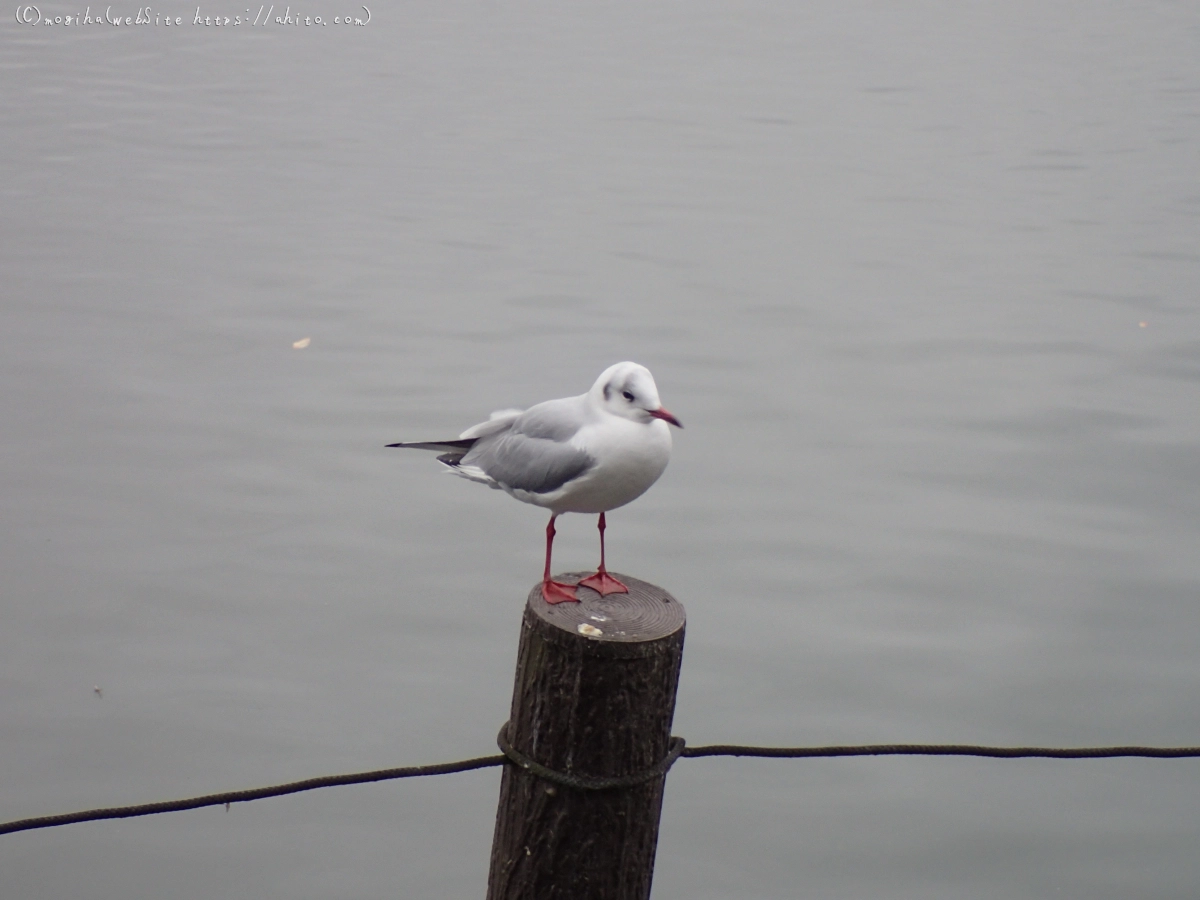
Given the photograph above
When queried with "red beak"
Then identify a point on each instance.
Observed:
(661, 413)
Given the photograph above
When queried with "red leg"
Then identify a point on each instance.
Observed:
(555, 591)
(603, 583)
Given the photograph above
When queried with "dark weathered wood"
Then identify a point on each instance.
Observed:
(591, 704)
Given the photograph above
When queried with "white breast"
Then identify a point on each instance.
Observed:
(630, 456)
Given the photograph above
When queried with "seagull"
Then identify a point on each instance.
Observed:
(585, 454)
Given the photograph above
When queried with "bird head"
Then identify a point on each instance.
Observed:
(628, 390)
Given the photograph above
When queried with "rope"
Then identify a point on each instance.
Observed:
(677, 749)
(295, 787)
(944, 750)
(589, 782)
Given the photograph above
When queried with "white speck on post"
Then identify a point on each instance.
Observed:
(589, 630)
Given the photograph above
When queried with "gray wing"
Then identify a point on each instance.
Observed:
(554, 420)
(534, 454)
(500, 420)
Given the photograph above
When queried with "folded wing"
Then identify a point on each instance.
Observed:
(522, 463)
(519, 451)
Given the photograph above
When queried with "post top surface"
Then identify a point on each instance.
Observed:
(646, 613)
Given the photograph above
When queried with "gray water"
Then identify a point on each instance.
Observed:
(920, 279)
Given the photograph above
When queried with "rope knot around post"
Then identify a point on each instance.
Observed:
(585, 782)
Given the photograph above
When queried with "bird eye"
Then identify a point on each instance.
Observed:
(628, 395)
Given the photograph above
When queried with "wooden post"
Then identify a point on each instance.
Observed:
(594, 697)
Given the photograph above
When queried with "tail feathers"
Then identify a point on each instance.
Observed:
(453, 449)
(452, 458)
